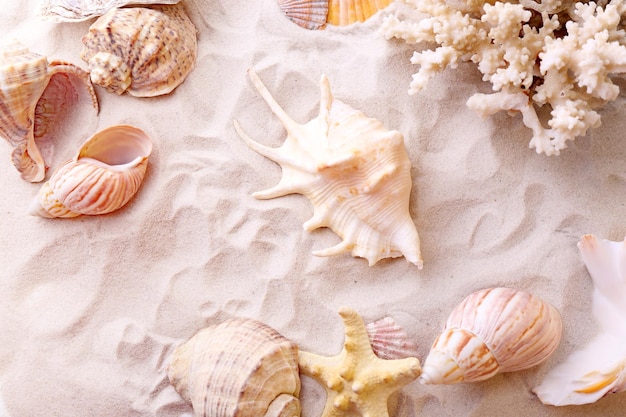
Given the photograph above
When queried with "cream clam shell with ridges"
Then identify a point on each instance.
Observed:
(238, 368)
(492, 331)
(355, 172)
(105, 174)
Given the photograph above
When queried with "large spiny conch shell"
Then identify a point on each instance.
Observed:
(239, 368)
(79, 10)
(355, 172)
(145, 52)
(493, 330)
(34, 96)
(600, 367)
(315, 14)
(105, 174)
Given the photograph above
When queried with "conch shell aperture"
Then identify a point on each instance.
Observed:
(492, 331)
(105, 174)
(34, 96)
(355, 172)
(238, 368)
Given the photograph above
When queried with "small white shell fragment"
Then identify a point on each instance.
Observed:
(599, 368)
(355, 172)
(238, 368)
(80, 10)
(491, 331)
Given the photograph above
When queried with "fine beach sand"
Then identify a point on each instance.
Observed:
(92, 307)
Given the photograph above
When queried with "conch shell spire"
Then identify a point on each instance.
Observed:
(355, 172)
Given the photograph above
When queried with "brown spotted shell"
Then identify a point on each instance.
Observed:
(238, 368)
(143, 51)
(35, 95)
(491, 331)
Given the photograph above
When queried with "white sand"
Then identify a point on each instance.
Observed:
(92, 307)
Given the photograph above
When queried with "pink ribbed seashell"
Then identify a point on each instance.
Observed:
(315, 14)
(104, 175)
(389, 340)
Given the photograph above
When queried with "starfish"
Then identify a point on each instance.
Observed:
(356, 379)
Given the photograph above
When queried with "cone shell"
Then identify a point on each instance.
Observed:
(33, 98)
(79, 10)
(239, 368)
(144, 51)
(315, 14)
(105, 174)
(355, 172)
(493, 330)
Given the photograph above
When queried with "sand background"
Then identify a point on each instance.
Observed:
(92, 307)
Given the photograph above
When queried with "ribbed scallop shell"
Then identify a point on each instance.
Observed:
(79, 10)
(389, 340)
(355, 172)
(144, 51)
(105, 174)
(599, 368)
(34, 97)
(493, 330)
(314, 14)
(238, 368)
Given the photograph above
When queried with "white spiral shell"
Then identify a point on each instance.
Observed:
(355, 172)
(105, 174)
(238, 368)
(493, 330)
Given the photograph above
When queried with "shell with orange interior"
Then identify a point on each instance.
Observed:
(315, 14)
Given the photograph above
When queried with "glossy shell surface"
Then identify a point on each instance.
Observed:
(238, 368)
(599, 368)
(105, 174)
(145, 52)
(491, 331)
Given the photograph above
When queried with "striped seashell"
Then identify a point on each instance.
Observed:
(238, 368)
(492, 331)
(315, 14)
(34, 97)
(145, 52)
(389, 340)
(105, 174)
(80, 10)
(355, 172)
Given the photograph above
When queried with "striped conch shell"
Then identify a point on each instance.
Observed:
(79, 10)
(104, 175)
(492, 331)
(315, 14)
(238, 368)
(34, 97)
(146, 52)
(355, 172)
(599, 368)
